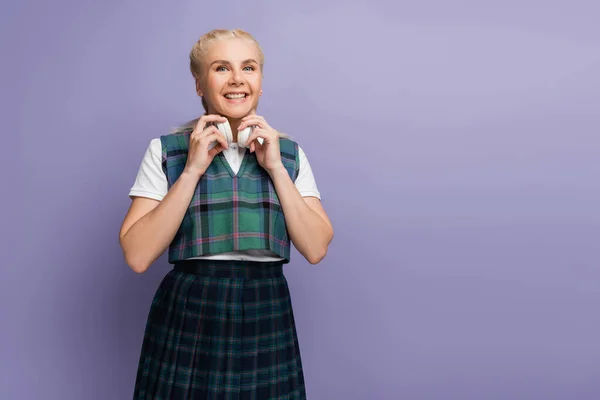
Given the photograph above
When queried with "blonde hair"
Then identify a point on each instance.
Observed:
(198, 55)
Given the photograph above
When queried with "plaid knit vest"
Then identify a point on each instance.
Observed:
(229, 212)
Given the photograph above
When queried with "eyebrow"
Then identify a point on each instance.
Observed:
(248, 61)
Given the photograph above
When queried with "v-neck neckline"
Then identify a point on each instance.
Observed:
(225, 163)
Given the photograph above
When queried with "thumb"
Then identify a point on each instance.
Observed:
(215, 150)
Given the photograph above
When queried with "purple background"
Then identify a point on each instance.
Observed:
(455, 144)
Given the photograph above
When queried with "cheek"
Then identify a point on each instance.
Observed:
(213, 86)
(256, 84)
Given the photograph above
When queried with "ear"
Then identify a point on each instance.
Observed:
(198, 88)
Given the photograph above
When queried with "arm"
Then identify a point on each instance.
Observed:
(150, 225)
(308, 225)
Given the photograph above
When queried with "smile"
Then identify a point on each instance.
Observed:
(235, 96)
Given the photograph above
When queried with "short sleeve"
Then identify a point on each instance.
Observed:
(151, 181)
(305, 182)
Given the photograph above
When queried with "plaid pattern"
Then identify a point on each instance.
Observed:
(229, 212)
(226, 332)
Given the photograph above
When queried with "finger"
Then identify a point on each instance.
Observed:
(210, 138)
(197, 135)
(216, 136)
(201, 126)
(267, 136)
(210, 130)
(261, 123)
(210, 135)
(215, 150)
(206, 118)
(259, 144)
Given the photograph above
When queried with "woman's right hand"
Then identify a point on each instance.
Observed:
(200, 155)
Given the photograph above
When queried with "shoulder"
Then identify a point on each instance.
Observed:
(150, 181)
(175, 135)
(154, 153)
(287, 144)
(291, 146)
(305, 181)
(289, 149)
(174, 142)
(155, 146)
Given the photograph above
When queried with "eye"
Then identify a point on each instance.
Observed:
(249, 68)
(221, 68)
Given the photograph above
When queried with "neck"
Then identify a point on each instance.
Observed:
(234, 123)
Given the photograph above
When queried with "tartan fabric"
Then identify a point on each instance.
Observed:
(221, 334)
(229, 212)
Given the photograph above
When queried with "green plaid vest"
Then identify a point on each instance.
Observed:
(229, 212)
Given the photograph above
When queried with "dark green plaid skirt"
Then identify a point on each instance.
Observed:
(223, 330)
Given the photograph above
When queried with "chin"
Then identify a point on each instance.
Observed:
(235, 114)
(237, 110)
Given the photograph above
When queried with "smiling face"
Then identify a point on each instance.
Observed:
(231, 82)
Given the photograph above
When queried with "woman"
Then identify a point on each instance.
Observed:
(221, 324)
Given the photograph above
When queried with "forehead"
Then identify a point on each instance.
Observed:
(232, 50)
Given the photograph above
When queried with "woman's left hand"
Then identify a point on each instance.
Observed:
(267, 153)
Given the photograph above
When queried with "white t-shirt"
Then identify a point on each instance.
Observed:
(151, 182)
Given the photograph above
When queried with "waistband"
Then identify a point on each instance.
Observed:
(230, 268)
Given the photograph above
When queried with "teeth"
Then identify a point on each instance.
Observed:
(235, 95)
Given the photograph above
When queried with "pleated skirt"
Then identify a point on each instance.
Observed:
(221, 330)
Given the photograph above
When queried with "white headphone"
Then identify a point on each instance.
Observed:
(242, 137)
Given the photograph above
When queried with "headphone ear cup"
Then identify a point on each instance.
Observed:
(243, 136)
(225, 129)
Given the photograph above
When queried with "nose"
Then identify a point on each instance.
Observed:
(236, 77)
